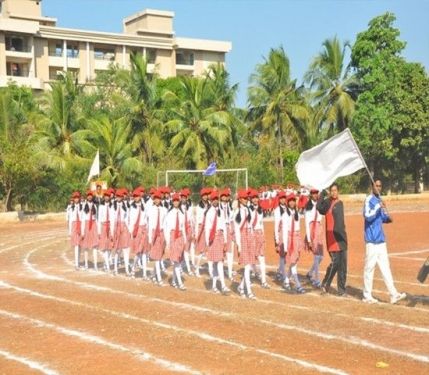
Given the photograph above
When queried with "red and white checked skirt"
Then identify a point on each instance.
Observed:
(258, 238)
(248, 249)
(144, 244)
(189, 236)
(75, 238)
(201, 241)
(215, 250)
(136, 241)
(292, 255)
(90, 239)
(317, 241)
(121, 238)
(229, 238)
(157, 250)
(105, 242)
(177, 246)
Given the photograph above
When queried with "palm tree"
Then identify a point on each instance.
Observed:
(334, 88)
(276, 105)
(198, 131)
(114, 141)
(61, 138)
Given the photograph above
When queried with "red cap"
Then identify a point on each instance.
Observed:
(253, 193)
(165, 190)
(314, 191)
(89, 192)
(175, 197)
(204, 191)
(137, 193)
(185, 192)
(76, 194)
(242, 193)
(141, 189)
(290, 197)
(110, 191)
(282, 194)
(152, 190)
(157, 194)
(225, 192)
(214, 194)
(107, 193)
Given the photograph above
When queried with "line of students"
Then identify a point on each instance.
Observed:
(161, 225)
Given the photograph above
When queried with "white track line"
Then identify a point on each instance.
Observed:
(87, 337)
(399, 253)
(28, 362)
(407, 258)
(42, 238)
(396, 325)
(201, 335)
(350, 339)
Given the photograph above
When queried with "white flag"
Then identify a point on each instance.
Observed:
(95, 167)
(338, 156)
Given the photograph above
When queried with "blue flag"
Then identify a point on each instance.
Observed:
(211, 170)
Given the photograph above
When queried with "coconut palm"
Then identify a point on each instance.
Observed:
(198, 132)
(334, 87)
(114, 141)
(276, 105)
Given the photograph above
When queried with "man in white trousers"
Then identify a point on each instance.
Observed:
(376, 215)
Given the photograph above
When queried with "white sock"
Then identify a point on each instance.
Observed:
(85, 255)
(116, 260)
(210, 264)
(230, 262)
(178, 274)
(247, 269)
(192, 253)
(187, 261)
(144, 264)
(95, 258)
(262, 267)
(198, 262)
(220, 273)
(126, 252)
(294, 272)
(76, 256)
(282, 262)
(106, 260)
(158, 270)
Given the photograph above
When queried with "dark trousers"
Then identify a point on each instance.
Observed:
(338, 265)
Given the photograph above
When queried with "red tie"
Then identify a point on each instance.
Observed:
(136, 224)
(90, 217)
(107, 220)
(78, 220)
(255, 220)
(292, 230)
(213, 230)
(157, 224)
(176, 230)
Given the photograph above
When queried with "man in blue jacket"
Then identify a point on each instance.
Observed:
(375, 215)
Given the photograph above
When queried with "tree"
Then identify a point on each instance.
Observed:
(276, 105)
(333, 87)
(197, 131)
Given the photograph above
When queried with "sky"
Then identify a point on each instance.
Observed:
(255, 26)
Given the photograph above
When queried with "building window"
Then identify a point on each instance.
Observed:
(150, 55)
(72, 50)
(184, 57)
(17, 43)
(15, 69)
(101, 53)
(55, 73)
(56, 49)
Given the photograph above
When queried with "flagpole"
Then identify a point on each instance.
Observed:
(360, 155)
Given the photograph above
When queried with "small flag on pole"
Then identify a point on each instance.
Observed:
(321, 165)
(211, 170)
(95, 167)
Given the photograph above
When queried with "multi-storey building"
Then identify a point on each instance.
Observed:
(33, 50)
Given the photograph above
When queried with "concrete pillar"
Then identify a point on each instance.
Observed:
(2, 54)
(124, 52)
(65, 55)
(32, 69)
(88, 64)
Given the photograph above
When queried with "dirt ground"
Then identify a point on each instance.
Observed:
(55, 320)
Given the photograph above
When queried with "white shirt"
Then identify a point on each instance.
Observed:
(75, 214)
(257, 219)
(105, 214)
(242, 224)
(152, 214)
(310, 216)
(133, 215)
(170, 221)
(212, 213)
(118, 215)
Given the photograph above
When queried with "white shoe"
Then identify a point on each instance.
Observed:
(370, 300)
(397, 298)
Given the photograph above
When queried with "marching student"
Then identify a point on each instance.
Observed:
(105, 229)
(375, 215)
(257, 235)
(336, 239)
(228, 216)
(144, 246)
(175, 239)
(187, 209)
(246, 250)
(215, 234)
(121, 235)
(314, 236)
(279, 217)
(292, 242)
(75, 226)
(200, 221)
(156, 241)
(136, 218)
(89, 229)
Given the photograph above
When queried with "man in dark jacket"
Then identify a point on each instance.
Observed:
(336, 238)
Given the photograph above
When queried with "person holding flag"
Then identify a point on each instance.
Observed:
(175, 239)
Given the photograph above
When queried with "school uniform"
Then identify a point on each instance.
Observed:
(292, 235)
(257, 233)
(314, 227)
(155, 227)
(200, 242)
(136, 218)
(215, 234)
(175, 233)
(75, 218)
(227, 216)
(104, 226)
(242, 229)
(121, 235)
(89, 226)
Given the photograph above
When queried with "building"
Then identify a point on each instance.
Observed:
(33, 50)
